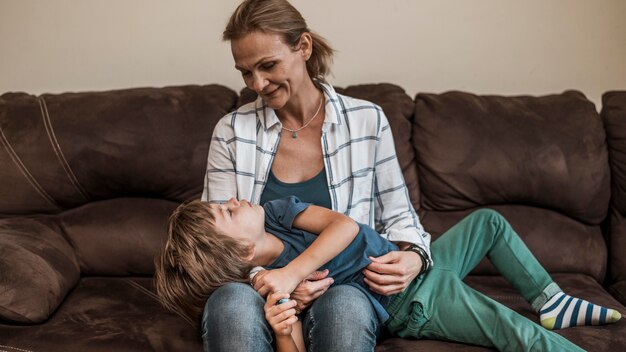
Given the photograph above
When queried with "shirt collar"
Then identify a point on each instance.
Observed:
(268, 117)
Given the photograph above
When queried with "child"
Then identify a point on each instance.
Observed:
(210, 245)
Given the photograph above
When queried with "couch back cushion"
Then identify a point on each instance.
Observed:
(119, 237)
(65, 150)
(519, 154)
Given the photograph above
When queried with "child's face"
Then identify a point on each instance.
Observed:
(240, 220)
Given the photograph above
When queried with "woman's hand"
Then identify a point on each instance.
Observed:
(276, 280)
(311, 289)
(281, 317)
(305, 293)
(393, 272)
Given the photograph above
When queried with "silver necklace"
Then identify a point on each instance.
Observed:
(294, 133)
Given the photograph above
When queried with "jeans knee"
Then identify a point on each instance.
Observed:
(234, 306)
(346, 303)
(343, 319)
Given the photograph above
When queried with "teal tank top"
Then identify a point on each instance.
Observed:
(314, 191)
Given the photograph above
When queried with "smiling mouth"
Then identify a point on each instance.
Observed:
(272, 93)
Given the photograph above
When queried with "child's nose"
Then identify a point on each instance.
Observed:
(233, 202)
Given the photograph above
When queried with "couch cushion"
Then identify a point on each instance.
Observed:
(64, 150)
(114, 314)
(118, 237)
(37, 270)
(106, 314)
(545, 151)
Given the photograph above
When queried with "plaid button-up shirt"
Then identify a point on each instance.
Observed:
(364, 178)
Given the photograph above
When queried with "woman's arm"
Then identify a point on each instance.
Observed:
(336, 231)
(220, 183)
(394, 215)
(396, 220)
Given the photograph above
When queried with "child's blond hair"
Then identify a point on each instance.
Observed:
(197, 259)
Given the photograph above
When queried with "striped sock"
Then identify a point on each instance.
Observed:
(564, 311)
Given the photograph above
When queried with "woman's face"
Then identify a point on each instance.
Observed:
(270, 67)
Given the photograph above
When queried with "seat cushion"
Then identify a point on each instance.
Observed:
(122, 314)
(106, 314)
(37, 270)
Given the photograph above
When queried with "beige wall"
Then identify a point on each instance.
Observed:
(481, 46)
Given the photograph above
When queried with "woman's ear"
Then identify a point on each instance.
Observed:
(306, 45)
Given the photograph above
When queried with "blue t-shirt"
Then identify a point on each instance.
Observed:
(314, 191)
(346, 267)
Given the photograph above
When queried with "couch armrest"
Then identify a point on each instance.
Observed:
(614, 118)
(38, 268)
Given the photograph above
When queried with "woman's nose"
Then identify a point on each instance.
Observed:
(259, 83)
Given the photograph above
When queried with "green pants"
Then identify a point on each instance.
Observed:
(440, 306)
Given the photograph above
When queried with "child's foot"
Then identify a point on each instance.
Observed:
(563, 311)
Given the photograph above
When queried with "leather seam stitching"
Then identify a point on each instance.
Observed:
(24, 170)
(14, 348)
(155, 297)
(143, 289)
(57, 149)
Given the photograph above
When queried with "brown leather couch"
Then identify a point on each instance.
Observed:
(88, 179)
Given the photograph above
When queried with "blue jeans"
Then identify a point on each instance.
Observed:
(342, 319)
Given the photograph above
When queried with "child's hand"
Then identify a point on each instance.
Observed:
(277, 280)
(281, 317)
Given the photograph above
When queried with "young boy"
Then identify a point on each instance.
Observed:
(210, 245)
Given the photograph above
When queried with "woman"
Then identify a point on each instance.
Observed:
(302, 138)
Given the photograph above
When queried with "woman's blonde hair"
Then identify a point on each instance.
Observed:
(197, 259)
(279, 16)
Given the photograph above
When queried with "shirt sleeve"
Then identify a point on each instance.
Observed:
(284, 210)
(220, 183)
(395, 217)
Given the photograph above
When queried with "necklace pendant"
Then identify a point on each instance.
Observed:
(294, 135)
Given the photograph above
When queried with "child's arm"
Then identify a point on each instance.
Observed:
(282, 318)
(336, 231)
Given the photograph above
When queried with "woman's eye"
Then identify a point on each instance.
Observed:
(245, 74)
(268, 66)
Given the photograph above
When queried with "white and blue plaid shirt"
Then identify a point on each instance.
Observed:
(364, 177)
